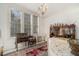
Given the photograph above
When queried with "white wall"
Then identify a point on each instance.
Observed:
(0, 28)
(41, 26)
(3, 23)
(70, 16)
(67, 17)
(8, 41)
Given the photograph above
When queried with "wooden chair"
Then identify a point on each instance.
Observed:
(21, 37)
(74, 47)
(31, 41)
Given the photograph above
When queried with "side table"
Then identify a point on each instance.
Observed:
(1, 51)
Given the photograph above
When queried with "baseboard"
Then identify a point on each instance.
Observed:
(5, 53)
(9, 51)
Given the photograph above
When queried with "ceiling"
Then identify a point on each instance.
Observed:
(53, 8)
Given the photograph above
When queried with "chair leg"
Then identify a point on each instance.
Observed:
(16, 46)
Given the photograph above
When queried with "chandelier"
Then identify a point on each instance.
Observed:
(43, 9)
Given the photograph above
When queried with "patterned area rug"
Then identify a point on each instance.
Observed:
(23, 53)
(39, 50)
(59, 47)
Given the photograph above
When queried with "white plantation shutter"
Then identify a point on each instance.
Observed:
(27, 23)
(15, 22)
(35, 24)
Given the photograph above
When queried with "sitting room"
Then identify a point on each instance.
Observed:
(39, 29)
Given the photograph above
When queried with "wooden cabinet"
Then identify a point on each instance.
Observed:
(62, 30)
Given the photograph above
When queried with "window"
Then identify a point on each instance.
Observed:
(24, 24)
(27, 23)
(15, 22)
(35, 24)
